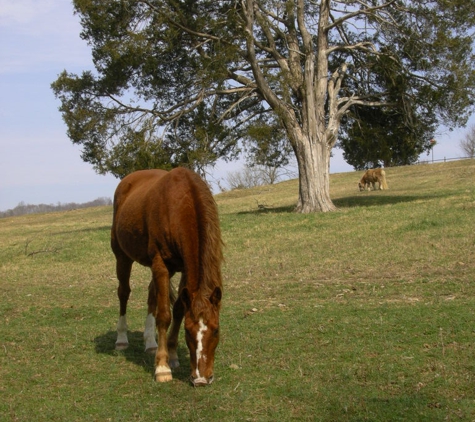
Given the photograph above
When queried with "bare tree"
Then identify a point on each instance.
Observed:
(467, 145)
(246, 178)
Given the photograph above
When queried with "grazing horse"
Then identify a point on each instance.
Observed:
(370, 177)
(168, 221)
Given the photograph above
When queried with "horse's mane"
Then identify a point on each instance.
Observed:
(211, 244)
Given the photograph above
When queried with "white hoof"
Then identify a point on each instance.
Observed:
(163, 374)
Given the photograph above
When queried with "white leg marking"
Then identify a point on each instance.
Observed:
(149, 334)
(199, 348)
(122, 339)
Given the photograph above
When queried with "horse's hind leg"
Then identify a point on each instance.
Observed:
(149, 333)
(123, 268)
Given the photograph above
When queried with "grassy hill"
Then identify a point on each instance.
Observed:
(367, 313)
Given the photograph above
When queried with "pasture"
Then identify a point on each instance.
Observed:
(365, 314)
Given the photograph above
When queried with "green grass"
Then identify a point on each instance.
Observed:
(365, 314)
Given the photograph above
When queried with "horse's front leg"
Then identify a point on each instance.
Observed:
(161, 280)
(178, 313)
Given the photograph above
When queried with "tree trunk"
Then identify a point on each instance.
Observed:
(313, 160)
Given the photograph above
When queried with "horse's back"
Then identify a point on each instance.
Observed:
(373, 175)
(136, 184)
(129, 229)
(132, 192)
(158, 212)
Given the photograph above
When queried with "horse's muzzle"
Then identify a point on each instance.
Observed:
(201, 381)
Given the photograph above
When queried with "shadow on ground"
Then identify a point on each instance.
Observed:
(363, 200)
(375, 199)
(135, 353)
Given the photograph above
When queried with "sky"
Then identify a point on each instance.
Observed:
(38, 163)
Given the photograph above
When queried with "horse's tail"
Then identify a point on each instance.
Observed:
(383, 180)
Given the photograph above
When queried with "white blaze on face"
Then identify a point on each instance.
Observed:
(199, 345)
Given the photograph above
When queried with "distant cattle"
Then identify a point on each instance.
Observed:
(371, 177)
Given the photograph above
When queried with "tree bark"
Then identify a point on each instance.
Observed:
(313, 160)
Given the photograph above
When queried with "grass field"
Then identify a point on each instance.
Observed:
(365, 314)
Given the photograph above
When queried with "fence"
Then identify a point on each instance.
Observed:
(443, 160)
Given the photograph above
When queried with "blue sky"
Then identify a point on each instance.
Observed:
(38, 163)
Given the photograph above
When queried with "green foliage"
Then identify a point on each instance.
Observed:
(144, 66)
(267, 145)
(378, 136)
(136, 152)
(398, 134)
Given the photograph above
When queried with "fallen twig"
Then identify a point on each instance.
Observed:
(54, 250)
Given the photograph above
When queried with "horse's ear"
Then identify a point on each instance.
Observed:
(215, 298)
(185, 298)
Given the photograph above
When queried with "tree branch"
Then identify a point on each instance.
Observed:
(368, 10)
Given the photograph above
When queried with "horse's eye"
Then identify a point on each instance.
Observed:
(216, 332)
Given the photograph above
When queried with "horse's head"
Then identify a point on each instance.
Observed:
(361, 186)
(202, 333)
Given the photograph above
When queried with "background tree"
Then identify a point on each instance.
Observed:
(307, 62)
(268, 149)
(381, 137)
(246, 178)
(467, 144)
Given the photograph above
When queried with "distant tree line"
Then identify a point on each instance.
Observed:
(24, 209)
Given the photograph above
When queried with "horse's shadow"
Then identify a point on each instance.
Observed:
(135, 353)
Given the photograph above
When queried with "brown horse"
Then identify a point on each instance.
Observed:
(370, 177)
(168, 221)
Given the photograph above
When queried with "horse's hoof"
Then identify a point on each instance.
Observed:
(201, 381)
(151, 350)
(163, 377)
(121, 346)
(163, 374)
(174, 363)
